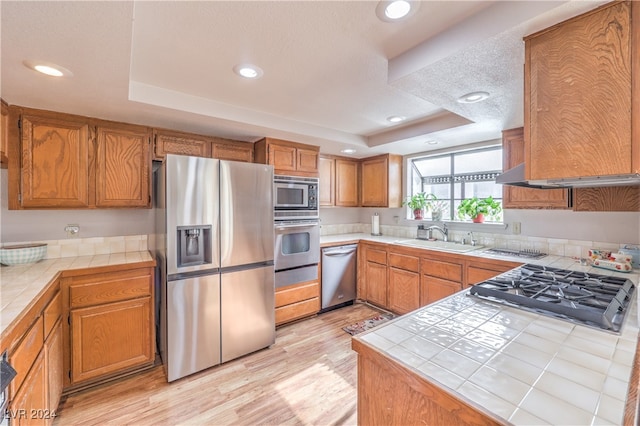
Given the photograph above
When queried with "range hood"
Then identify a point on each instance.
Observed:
(515, 177)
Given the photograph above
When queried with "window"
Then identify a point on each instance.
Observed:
(455, 176)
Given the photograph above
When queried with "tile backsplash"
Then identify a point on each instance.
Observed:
(73, 247)
(554, 246)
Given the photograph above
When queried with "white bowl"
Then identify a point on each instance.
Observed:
(23, 253)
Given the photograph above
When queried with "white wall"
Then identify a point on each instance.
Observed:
(36, 225)
(613, 227)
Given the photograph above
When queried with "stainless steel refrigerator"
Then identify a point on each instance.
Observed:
(214, 247)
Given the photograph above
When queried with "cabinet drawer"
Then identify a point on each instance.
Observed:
(377, 256)
(297, 310)
(446, 270)
(402, 261)
(51, 313)
(297, 293)
(112, 287)
(23, 356)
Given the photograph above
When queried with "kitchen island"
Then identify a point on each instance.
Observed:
(465, 360)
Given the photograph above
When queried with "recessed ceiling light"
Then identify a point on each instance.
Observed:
(396, 10)
(348, 151)
(396, 119)
(473, 97)
(248, 71)
(48, 68)
(431, 142)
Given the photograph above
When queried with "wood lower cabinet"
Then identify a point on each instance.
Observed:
(30, 403)
(404, 280)
(478, 270)
(287, 158)
(112, 327)
(391, 394)
(123, 166)
(54, 358)
(381, 182)
(515, 197)
(441, 276)
(372, 280)
(297, 301)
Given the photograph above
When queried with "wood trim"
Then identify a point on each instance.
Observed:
(632, 405)
(635, 87)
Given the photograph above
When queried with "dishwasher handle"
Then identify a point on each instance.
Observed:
(338, 251)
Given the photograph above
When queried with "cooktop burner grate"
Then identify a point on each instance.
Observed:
(591, 299)
(527, 253)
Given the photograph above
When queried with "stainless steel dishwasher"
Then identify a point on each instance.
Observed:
(338, 275)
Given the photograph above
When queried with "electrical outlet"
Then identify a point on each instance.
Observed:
(515, 228)
(72, 230)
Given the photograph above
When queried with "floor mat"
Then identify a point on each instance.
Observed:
(367, 324)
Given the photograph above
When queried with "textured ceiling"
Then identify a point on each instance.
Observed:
(333, 72)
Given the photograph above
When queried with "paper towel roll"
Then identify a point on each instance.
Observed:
(375, 224)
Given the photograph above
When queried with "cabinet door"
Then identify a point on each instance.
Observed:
(30, 402)
(108, 338)
(404, 290)
(515, 197)
(578, 96)
(55, 162)
(122, 167)
(4, 134)
(346, 183)
(282, 158)
(375, 182)
(607, 199)
(54, 361)
(307, 161)
(326, 193)
(433, 289)
(233, 152)
(169, 143)
(376, 276)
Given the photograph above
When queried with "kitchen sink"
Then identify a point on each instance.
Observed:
(439, 245)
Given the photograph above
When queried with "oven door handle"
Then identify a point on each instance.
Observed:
(300, 225)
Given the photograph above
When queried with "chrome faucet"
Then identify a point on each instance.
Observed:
(444, 231)
(473, 242)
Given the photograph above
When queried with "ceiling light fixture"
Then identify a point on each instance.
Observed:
(396, 10)
(396, 118)
(431, 142)
(248, 71)
(348, 151)
(48, 68)
(473, 97)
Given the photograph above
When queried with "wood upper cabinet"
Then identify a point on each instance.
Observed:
(69, 161)
(225, 149)
(515, 197)
(582, 95)
(111, 323)
(607, 199)
(327, 187)
(381, 183)
(123, 166)
(338, 181)
(55, 152)
(4, 134)
(170, 142)
(287, 158)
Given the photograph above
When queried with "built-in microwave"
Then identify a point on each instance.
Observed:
(295, 197)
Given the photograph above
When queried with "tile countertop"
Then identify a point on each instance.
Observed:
(524, 367)
(20, 285)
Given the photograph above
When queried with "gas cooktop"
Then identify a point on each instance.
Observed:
(526, 253)
(591, 299)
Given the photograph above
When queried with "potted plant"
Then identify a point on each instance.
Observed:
(476, 208)
(437, 207)
(417, 203)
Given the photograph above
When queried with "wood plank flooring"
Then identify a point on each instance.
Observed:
(308, 377)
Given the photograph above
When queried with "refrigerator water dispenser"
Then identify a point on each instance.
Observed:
(194, 245)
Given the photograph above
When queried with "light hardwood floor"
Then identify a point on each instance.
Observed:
(308, 377)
